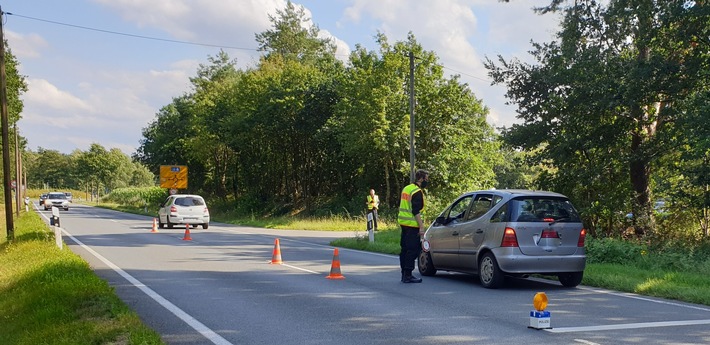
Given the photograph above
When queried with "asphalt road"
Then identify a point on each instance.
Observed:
(221, 288)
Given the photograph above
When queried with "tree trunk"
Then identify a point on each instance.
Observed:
(640, 172)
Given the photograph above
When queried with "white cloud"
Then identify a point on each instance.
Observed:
(40, 91)
(25, 46)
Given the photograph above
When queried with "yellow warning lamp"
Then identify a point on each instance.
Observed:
(540, 301)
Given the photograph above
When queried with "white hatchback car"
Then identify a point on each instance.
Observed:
(183, 209)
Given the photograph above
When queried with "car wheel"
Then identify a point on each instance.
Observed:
(489, 272)
(160, 224)
(205, 226)
(426, 266)
(570, 279)
(168, 224)
(66, 209)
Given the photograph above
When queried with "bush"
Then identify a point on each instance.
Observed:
(138, 197)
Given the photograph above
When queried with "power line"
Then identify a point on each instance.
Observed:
(130, 35)
(185, 42)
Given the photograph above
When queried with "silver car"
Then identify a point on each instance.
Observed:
(498, 233)
(56, 199)
(183, 209)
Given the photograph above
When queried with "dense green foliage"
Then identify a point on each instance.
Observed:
(616, 108)
(138, 197)
(97, 170)
(52, 296)
(15, 85)
(302, 131)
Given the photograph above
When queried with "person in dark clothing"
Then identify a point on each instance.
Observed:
(411, 208)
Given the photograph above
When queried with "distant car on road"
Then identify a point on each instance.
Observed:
(183, 209)
(56, 199)
(498, 233)
(69, 196)
(41, 198)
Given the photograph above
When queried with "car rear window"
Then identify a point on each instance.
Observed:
(542, 209)
(189, 201)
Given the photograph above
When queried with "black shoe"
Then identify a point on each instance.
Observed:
(411, 279)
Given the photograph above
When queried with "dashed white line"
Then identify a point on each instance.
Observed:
(587, 342)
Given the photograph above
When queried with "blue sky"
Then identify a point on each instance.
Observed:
(89, 86)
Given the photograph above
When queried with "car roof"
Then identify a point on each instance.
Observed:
(187, 196)
(517, 192)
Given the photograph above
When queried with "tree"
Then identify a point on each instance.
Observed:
(289, 38)
(610, 92)
(453, 139)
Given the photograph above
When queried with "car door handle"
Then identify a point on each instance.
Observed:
(455, 233)
(479, 231)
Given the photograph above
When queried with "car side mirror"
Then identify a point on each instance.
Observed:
(442, 220)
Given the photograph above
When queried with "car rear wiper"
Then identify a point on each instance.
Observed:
(558, 220)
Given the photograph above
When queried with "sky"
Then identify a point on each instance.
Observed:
(98, 71)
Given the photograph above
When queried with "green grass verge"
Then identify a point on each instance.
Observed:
(51, 296)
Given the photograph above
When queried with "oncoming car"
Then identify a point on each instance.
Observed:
(56, 199)
(183, 209)
(498, 233)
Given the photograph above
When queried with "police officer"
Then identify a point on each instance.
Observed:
(411, 206)
(373, 203)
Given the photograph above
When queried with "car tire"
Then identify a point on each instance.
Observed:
(570, 279)
(168, 224)
(66, 209)
(426, 266)
(489, 272)
(205, 226)
(160, 224)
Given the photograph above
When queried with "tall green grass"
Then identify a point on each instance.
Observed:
(51, 296)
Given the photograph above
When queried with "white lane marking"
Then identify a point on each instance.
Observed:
(628, 326)
(191, 321)
(302, 269)
(634, 296)
(587, 342)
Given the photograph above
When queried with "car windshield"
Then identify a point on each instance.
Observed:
(543, 209)
(57, 196)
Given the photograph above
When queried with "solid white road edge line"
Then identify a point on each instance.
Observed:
(191, 321)
(628, 326)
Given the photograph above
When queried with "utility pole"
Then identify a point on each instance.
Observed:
(9, 221)
(411, 117)
(18, 166)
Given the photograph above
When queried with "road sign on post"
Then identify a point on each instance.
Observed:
(173, 176)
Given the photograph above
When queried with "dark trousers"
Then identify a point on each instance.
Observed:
(374, 218)
(410, 243)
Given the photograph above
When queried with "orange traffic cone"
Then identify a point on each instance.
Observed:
(155, 226)
(276, 258)
(187, 233)
(335, 267)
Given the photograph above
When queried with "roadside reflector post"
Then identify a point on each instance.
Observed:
(539, 317)
(57, 230)
(370, 227)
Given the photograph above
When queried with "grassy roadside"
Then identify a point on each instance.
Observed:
(688, 285)
(51, 296)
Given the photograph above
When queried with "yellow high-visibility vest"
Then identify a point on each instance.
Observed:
(372, 203)
(406, 215)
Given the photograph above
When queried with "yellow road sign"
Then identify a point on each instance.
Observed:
(173, 176)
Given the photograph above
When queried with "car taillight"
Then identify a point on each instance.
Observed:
(509, 238)
(206, 211)
(549, 234)
(582, 236)
(173, 209)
